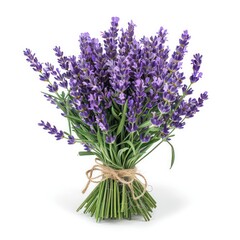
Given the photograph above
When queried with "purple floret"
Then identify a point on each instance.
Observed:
(71, 139)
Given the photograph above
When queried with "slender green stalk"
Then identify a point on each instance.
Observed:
(115, 198)
(69, 122)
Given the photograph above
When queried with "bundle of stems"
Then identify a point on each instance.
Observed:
(111, 199)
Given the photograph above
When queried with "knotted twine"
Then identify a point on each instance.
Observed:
(124, 176)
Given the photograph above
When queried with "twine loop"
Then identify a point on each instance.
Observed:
(124, 176)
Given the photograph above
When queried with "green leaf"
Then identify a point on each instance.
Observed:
(113, 128)
(145, 124)
(173, 154)
(99, 138)
(131, 162)
(114, 113)
(131, 145)
(145, 146)
(116, 106)
(84, 135)
(121, 151)
(153, 129)
(74, 118)
(85, 153)
(63, 94)
(87, 133)
(51, 95)
(122, 122)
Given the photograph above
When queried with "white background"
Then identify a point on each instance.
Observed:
(41, 179)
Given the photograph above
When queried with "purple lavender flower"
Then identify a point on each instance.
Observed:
(63, 61)
(110, 139)
(110, 39)
(94, 102)
(131, 127)
(185, 91)
(164, 131)
(52, 130)
(53, 87)
(196, 62)
(185, 38)
(178, 55)
(169, 97)
(63, 84)
(145, 138)
(59, 135)
(126, 39)
(156, 120)
(50, 99)
(49, 68)
(71, 139)
(202, 98)
(195, 77)
(58, 51)
(164, 107)
(157, 82)
(102, 122)
(193, 106)
(34, 63)
(131, 117)
(87, 147)
(44, 76)
(119, 78)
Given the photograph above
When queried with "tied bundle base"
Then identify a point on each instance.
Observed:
(111, 199)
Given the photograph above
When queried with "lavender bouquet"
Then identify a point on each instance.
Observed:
(122, 99)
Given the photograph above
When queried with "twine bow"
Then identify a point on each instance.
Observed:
(124, 176)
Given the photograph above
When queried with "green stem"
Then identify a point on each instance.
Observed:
(69, 122)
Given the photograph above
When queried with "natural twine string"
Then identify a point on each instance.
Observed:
(124, 176)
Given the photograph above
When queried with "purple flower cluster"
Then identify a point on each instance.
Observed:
(196, 62)
(58, 134)
(34, 63)
(140, 73)
(52, 130)
(71, 139)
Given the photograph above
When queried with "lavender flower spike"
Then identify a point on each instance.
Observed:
(196, 62)
(52, 130)
(34, 63)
